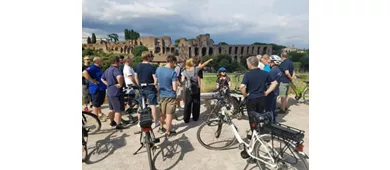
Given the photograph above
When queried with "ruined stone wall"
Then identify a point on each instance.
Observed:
(204, 46)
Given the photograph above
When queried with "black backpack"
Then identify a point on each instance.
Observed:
(193, 83)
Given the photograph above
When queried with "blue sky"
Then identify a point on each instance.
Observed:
(283, 22)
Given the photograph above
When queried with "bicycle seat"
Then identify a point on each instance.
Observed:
(307, 82)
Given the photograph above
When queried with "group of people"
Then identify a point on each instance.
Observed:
(180, 81)
(175, 82)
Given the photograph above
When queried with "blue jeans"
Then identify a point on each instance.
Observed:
(271, 105)
(150, 95)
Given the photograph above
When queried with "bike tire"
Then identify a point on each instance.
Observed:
(237, 112)
(149, 149)
(305, 95)
(261, 165)
(95, 118)
(208, 146)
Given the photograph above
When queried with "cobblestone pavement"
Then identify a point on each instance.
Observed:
(183, 151)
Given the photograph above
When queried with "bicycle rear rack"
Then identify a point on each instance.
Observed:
(287, 133)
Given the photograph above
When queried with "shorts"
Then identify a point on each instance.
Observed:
(116, 103)
(283, 89)
(167, 105)
(98, 98)
(150, 95)
(86, 95)
(180, 93)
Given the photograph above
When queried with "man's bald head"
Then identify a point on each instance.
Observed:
(98, 61)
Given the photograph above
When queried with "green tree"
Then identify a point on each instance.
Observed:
(89, 40)
(93, 41)
(305, 62)
(259, 43)
(223, 43)
(133, 35)
(127, 34)
(113, 37)
(138, 50)
(177, 42)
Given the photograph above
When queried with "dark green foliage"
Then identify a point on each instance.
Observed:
(138, 50)
(93, 41)
(223, 43)
(89, 41)
(131, 35)
(113, 37)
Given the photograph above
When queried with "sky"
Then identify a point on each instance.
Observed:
(284, 22)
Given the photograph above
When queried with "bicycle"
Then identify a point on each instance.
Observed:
(86, 130)
(271, 156)
(147, 138)
(133, 107)
(240, 101)
(301, 93)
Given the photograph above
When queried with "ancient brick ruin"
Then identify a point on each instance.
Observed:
(204, 46)
(162, 46)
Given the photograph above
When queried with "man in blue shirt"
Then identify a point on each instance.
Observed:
(97, 88)
(287, 69)
(276, 74)
(145, 73)
(113, 78)
(253, 87)
(167, 84)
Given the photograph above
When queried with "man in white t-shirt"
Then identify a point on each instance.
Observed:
(128, 74)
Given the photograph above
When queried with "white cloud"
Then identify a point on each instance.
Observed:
(285, 20)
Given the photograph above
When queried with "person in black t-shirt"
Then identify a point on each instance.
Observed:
(253, 87)
(86, 95)
(145, 72)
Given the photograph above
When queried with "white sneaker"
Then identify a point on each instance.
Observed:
(138, 125)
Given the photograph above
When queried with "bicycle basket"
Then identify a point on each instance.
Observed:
(287, 133)
(146, 119)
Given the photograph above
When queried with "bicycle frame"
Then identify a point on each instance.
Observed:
(250, 146)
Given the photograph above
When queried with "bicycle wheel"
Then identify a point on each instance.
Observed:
(215, 130)
(305, 95)
(236, 107)
(84, 146)
(286, 156)
(92, 122)
(149, 149)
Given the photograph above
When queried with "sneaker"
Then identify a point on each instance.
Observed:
(162, 130)
(170, 134)
(120, 126)
(103, 117)
(113, 124)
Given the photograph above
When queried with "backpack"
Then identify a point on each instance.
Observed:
(193, 83)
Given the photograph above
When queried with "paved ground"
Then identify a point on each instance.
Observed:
(183, 151)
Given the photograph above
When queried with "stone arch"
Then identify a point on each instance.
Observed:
(247, 50)
(211, 51)
(125, 49)
(264, 50)
(157, 50)
(235, 50)
(121, 50)
(172, 50)
(116, 48)
(130, 50)
(235, 58)
(204, 50)
(167, 50)
(190, 52)
(219, 50)
(196, 51)
(259, 50)
(242, 50)
(253, 50)
(230, 50)
(163, 50)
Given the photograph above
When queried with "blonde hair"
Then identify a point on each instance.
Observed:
(265, 56)
(189, 63)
